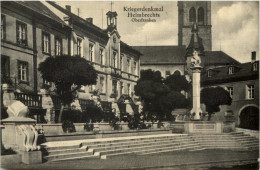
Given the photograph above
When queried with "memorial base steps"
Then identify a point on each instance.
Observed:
(231, 141)
(143, 145)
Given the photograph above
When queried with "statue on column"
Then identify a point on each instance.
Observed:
(195, 60)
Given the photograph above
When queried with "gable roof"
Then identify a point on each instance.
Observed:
(242, 72)
(39, 8)
(217, 58)
(82, 22)
(102, 33)
(162, 54)
(126, 48)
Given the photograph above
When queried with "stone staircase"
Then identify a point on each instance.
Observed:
(142, 145)
(231, 141)
(110, 147)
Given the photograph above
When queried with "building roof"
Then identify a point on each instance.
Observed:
(82, 22)
(242, 72)
(217, 58)
(162, 54)
(101, 33)
(124, 47)
(39, 8)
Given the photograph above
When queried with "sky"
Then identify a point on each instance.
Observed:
(235, 25)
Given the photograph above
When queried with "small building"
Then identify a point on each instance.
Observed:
(242, 83)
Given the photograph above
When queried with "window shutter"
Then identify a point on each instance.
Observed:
(25, 41)
(49, 44)
(17, 32)
(4, 29)
(42, 42)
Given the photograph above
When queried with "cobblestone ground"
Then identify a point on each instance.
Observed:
(207, 159)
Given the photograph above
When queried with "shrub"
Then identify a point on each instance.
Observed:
(113, 123)
(149, 126)
(74, 116)
(134, 122)
(159, 124)
(93, 113)
(8, 151)
(68, 126)
(88, 127)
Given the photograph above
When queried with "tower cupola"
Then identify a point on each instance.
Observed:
(111, 20)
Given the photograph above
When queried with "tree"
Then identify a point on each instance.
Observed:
(160, 97)
(213, 97)
(177, 83)
(68, 73)
(150, 88)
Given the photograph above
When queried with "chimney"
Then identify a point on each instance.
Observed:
(68, 7)
(253, 57)
(90, 20)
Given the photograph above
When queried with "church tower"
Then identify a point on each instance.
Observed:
(190, 12)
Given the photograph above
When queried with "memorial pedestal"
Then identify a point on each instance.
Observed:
(20, 134)
(196, 110)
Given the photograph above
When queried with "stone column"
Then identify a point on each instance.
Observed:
(196, 92)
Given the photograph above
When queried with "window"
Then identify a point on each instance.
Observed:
(230, 91)
(5, 66)
(231, 70)
(128, 89)
(134, 67)
(102, 85)
(22, 71)
(101, 55)
(114, 86)
(121, 62)
(250, 91)
(255, 66)
(128, 65)
(46, 44)
(114, 59)
(201, 15)
(58, 46)
(167, 73)
(91, 52)
(3, 27)
(79, 44)
(192, 15)
(121, 88)
(209, 73)
(21, 33)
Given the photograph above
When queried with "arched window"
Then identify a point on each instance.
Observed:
(177, 72)
(201, 15)
(192, 15)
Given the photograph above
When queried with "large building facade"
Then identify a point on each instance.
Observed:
(33, 31)
(27, 39)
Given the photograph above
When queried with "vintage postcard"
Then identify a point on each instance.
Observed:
(129, 85)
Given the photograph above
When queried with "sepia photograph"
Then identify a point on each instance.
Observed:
(129, 85)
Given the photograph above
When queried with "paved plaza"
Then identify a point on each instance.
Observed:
(206, 159)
